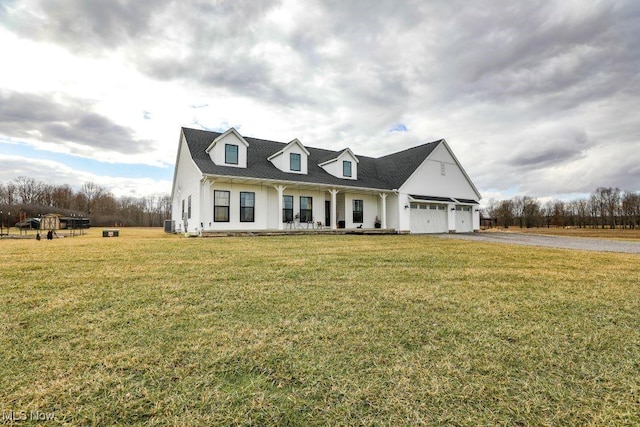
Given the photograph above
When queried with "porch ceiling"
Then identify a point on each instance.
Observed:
(292, 184)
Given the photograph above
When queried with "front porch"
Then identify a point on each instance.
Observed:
(295, 232)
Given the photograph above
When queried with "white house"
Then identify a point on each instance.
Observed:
(225, 181)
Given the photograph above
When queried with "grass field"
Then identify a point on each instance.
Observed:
(154, 329)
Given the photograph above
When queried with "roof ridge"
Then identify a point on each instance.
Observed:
(412, 148)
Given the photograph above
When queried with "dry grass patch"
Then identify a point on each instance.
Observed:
(401, 330)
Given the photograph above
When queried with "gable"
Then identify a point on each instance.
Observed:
(441, 174)
(344, 166)
(284, 160)
(229, 149)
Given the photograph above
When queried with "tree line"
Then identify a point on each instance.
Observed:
(24, 196)
(606, 207)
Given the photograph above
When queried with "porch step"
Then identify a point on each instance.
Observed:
(341, 231)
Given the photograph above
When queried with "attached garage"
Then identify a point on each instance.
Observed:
(428, 218)
(464, 219)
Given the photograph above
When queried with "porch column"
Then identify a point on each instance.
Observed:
(333, 193)
(280, 190)
(383, 224)
(206, 202)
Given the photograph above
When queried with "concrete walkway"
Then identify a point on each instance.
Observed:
(580, 243)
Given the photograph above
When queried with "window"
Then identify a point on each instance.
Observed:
(221, 206)
(231, 154)
(287, 208)
(414, 206)
(189, 207)
(358, 206)
(306, 209)
(346, 168)
(182, 209)
(294, 162)
(442, 169)
(247, 206)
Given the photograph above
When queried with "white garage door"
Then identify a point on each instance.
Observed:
(464, 219)
(428, 218)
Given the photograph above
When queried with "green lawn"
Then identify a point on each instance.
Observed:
(153, 329)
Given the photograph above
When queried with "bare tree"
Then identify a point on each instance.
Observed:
(28, 190)
(91, 191)
(631, 209)
(504, 213)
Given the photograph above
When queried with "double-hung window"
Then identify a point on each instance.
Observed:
(287, 208)
(247, 206)
(221, 205)
(306, 209)
(231, 154)
(358, 209)
(294, 162)
(346, 168)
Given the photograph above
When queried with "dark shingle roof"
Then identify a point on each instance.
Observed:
(388, 172)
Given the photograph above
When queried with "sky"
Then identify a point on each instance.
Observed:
(536, 98)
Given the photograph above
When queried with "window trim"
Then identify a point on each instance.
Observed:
(354, 204)
(306, 215)
(346, 163)
(285, 210)
(251, 208)
(291, 162)
(228, 206)
(227, 152)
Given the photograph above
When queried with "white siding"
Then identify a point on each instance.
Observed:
(186, 183)
(370, 210)
(404, 214)
(427, 180)
(266, 212)
(392, 211)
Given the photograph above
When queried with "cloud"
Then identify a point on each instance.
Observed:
(552, 147)
(532, 96)
(67, 123)
(53, 172)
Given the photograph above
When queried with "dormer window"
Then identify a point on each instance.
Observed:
(347, 160)
(298, 158)
(346, 168)
(229, 149)
(294, 162)
(231, 154)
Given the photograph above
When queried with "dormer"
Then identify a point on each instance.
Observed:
(229, 149)
(292, 158)
(344, 166)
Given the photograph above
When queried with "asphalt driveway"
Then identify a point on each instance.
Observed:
(580, 243)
